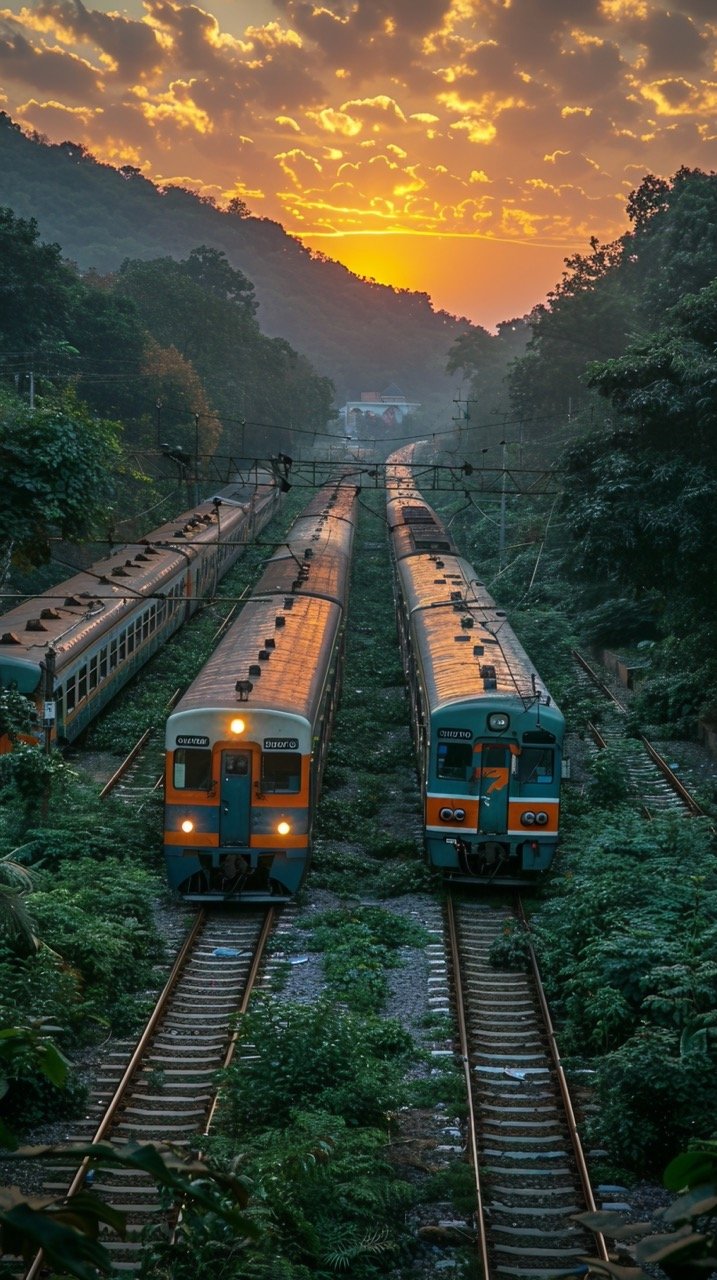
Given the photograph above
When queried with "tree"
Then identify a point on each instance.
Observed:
(57, 465)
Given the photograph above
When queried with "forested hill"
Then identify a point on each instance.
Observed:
(351, 330)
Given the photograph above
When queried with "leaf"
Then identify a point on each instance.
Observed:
(690, 1169)
(24, 1230)
(679, 1246)
(702, 1199)
(52, 1063)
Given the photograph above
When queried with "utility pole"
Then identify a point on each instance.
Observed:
(501, 531)
(48, 694)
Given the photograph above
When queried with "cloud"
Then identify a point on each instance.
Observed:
(48, 70)
(673, 42)
(131, 47)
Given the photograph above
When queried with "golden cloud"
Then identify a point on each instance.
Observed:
(334, 121)
(177, 106)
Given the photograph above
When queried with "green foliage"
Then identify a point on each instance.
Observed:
(688, 1247)
(314, 1057)
(26, 1051)
(57, 462)
(358, 946)
(67, 1230)
(628, 951)
(511, 949)
(16, 714)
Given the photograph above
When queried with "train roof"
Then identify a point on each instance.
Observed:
(70, 615)
(281, 650)
(460, 632)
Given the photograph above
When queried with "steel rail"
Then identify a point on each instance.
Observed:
(694, 807)
(128, 760)
(596, 680)
(465, 1058)
(577, 1145)
(130, 1069)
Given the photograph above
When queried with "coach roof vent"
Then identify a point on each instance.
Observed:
(264, 655)
(34, 624)
(119, 572)
(9, 637)
(279, 620)
(72, 600)
(243, 688)
(255, 669)
(288, 602)
(270, 643)
(50, 614)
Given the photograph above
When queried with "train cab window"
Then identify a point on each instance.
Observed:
(281, 771)
(535, 765)
(454, 759)
(192, 769)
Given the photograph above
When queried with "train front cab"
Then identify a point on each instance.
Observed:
(493, 793)
(237, 808)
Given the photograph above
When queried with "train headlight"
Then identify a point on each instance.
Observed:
(445, 815)
(498, 721)
(284, 828)
(237, 726)
(541, 818)
(528, 818)
(459, 814)
(187, 826)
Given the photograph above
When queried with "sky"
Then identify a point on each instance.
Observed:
(462, 148)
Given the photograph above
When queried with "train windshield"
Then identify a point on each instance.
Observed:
(281, 771)
(192, 769)
(535, 765)
(454, 758)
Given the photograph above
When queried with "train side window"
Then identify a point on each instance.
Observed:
(145, 625)
(535, 765)
(123, 646)
(192, 769)
(93, 671)
(103, 664)
(454, 758)
(82, 684)
(70, 694)
(281, 771)
(113, 654)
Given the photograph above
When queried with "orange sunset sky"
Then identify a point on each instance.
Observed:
(459, 147)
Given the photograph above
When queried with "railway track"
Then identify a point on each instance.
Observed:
(530, 1171)
(162, 1091)
(649, 774)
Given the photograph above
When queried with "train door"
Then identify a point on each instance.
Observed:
(492, 774)
(235, 798)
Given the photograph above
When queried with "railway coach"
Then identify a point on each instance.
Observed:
(246, 744)
(70, 650)
(487, 733)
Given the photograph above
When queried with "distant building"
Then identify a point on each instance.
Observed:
(376, 412)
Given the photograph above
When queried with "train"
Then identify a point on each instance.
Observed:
(71, 649)
(246, 744)
(488, 735)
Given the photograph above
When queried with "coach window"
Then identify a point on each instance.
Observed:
(113, 654)
(145, 625)
(281, 771)
(81, 684)
(454, 758)
(123, 646)
(93, 672)
(70, 694)
(130, 638)
(192, 769)
(103, 664)
(535, 765)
